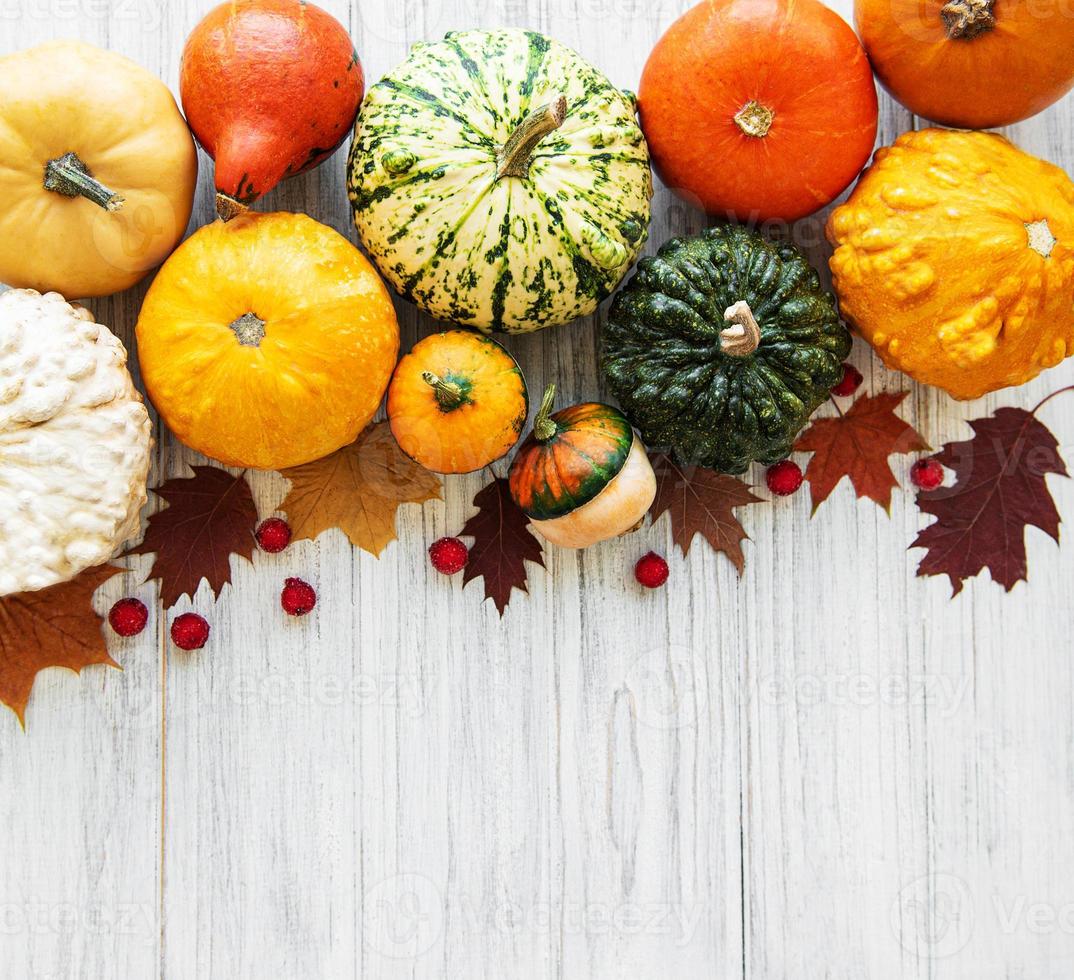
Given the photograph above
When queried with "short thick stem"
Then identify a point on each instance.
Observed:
(967, 19)
(514, 158)
(449, 395)
(69, 176)
(544, 426)
(249, 330)
(227, 207)
(743, 336)
(755, 119)
(1040, 237)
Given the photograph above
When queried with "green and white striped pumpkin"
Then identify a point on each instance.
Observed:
(500, 181)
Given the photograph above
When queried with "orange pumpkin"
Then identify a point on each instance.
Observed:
(759, 109)
(270, 88)
(457, 402)
(268, 341)
(970, 63)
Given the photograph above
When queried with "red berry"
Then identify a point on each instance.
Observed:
(849, 384)
(651, 570)
(190, 631)
(298, 597)
(927, 474)
(784, 478)
(274, 535)
(448, 555)
(128, 617)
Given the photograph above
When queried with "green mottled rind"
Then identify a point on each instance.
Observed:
(513, 254)
(588, 451)
(662, 359)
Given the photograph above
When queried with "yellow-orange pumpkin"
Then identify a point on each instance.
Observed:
(457, 402)
(954, 258)
(268, 341)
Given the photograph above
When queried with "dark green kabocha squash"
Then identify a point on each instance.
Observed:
(721, 346)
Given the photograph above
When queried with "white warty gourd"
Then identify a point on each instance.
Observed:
(74, 442)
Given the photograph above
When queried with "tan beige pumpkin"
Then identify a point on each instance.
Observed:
(97, 170)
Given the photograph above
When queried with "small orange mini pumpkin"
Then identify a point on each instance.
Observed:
(457, 402)
(268, 341)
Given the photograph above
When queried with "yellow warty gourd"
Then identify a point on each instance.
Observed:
(954, 258)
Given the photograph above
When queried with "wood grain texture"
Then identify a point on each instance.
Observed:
(826, 768)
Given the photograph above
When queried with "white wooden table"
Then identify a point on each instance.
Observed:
(824, 769)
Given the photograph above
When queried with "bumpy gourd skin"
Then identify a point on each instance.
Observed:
(954, 258)
(74, 442)
(662, 352)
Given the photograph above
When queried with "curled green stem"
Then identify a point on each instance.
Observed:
(544, 426)
(449, 395)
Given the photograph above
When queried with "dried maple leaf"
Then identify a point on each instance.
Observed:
(701, 501)
(999, 490)
(55, 627)
(210, 516)
(357, 489)
(857, 444)
(503, 543)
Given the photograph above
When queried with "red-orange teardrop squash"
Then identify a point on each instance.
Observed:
(759, 109)
(270, 89)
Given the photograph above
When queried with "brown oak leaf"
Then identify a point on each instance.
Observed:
(999, 490)
(857, 444)
(358, 489)
(210, 517)
(503, 543)
(701, 501)
(55, 627)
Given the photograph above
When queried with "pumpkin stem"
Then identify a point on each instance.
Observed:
(1041, 239)
(544, 426)
(249, 329)
(514, 158)
(744, 334)
(449, 395)
(967, 19)
(227, 207)
(755, 119)
(69, 176)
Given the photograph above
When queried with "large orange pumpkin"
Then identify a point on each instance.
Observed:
(759, 109)
(268, 341)
(970, 63)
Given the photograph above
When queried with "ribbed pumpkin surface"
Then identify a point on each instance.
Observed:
(663, 358)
